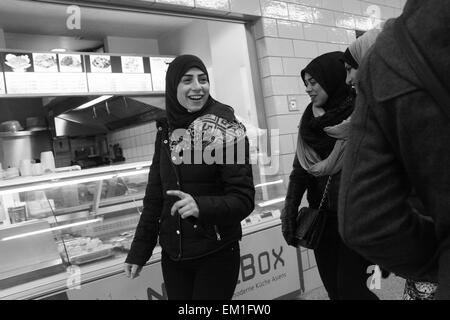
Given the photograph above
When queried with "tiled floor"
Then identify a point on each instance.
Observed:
(391, 289)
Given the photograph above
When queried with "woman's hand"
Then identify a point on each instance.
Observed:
(288, 225)
(132, 270)
(186, 207)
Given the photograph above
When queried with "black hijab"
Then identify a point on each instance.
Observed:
(177, 115)
(329, 72)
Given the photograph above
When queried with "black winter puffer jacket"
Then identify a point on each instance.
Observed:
(224, 194)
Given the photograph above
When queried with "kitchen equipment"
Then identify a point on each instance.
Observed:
(118, 153)
(25, 167)
(35, 123)
(11, 173)
(10, 126)
(19, 145)
(47, 162)
(18, 213)
(36, 169)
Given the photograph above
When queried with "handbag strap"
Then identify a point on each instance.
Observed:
(325, 192)
(416, 60)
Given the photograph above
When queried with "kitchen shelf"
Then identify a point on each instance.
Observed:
(22, 133)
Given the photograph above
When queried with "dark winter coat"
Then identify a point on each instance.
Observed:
(224, 194)
(399, 143)
(300, 181)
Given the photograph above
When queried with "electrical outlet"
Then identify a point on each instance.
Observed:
(293, 105)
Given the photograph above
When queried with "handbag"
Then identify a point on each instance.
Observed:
(311, 222)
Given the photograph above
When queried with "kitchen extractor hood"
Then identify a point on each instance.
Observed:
(112, 113)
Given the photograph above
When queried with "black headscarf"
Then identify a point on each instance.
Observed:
(177, 115)
(329, 72)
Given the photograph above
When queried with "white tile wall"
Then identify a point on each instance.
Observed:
(286, 145)
(323, 16)
(274, 9)
(315, 32)
(305, 49)
(275, 47)
(344, 20)
(327, 47)
(286, 161)
(285, 123)
(352, 6)
(271, 66)
(293, 66)
(290, 29)
(285, 85)
(276, 105)
(300, 13)
(266, 27)
(136, 142)
(336, 5)
(338, 35)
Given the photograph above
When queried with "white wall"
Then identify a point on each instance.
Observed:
(193, 39)
(131, 45)
(231, 72)
(137, 143)
(223, 48)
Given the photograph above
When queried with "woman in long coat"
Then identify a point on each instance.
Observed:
(321, 143)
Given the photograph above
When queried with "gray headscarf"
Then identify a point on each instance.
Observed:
(360, 46)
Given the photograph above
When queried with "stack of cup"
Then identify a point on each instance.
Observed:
(36, 169)
(25, 167)
(47, 162)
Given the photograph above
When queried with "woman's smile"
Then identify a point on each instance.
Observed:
(193, 90)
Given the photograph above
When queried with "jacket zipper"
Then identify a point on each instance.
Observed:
(166, 148)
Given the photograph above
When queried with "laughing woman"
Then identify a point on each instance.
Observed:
(320, 147)
(194, 207)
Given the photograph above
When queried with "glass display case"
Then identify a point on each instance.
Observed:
(74, 227)
(76, 218)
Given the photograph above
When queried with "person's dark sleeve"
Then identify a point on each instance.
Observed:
(146, 235)
(296, 189)
(374, 216)
(238, 198)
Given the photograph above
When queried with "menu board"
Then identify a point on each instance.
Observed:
(159, 67)
(43, 73)
(49, 73)
(107, 73)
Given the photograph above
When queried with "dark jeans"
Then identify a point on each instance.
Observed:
(213, 277)
(343, 271)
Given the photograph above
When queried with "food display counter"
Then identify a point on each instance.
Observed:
(66, 236)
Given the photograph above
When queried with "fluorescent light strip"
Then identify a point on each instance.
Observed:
(56, 184)
(268, 203)
(268, 183)
(27, 234)
(92, 102)
(71, 182)
(133, 173)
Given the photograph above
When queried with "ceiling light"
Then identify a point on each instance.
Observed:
(58, 50)
(92, 102)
